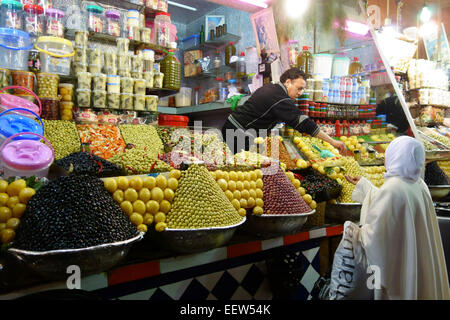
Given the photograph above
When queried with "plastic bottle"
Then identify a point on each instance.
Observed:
(355, 67)
(240, 72)
(230, 50)
(305, 61)
(342, 91)
(337, 127)
(348, 90)
(223, 91)
(293, 52)
(232, 89)
(171, 68)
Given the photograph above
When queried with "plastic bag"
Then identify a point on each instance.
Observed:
(349, 276)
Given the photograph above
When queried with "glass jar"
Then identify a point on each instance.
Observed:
(23, 79)
(162, 27)
(84, 80)
(54, 25)
(66, 91)
(139, 102)
(151, 4)
(99, 82)
(5, 75)
(163, 5)
(95, 19)
(33, 19)
(171, 68)
(50, 108)
(11, 12)
(99, 99)
(114, 100)
(137, 63)
(146, 35)
(113, 23)
(126, 101)
(65, 110)
(84, 98)
(47, 85)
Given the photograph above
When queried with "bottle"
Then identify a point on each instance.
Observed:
(34, 61)
(223, 91)
(337, 126)
(348, 90)
(217, 60)
(240, 72)
(305, 61)
(342, 90)
(230, 50)
(202, 34)
(355, 67)
(232, 89)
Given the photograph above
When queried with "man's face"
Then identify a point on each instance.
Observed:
(295, 87)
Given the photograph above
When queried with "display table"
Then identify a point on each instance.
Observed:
(233, 272)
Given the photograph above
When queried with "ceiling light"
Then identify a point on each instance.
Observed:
(425, 14)
(428, 29)
(258, 3)
(176, 4)
(295, 8)
(356, 27)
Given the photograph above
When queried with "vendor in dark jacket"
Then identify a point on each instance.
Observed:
(270, 105)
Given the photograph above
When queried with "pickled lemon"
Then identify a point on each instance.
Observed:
(239, 185)
(12, 202)
(242, 212)
(149, 183)
(110, 185)
(237, 195)
(252, 184)
(160, 226)
(130, 195)
(243, 203)
(3, 185)
(245, 194)
(7, 235)
(213, 175)
(118, 196)
(225, 176)
(164, 206)
(236, 204)
(157, 194)
(251, 202)
(127, 207)
(307, 198)
(139, 207)
(296, 183)
(253, 176)
(145, 195)
(175, 174)
(4, 199)
(2, 227)
(258, 210)
(148, 219)
(15, 187)
(233, 175)
(26, 194)
(302, 191)
(290, 175)
(122, 183)
(172, 183)
(240, 176)
(259, 183)
(160, 217)
(161, 181)
(259, 193)
(5, 214)
(142, 228)
(252, 193)
(313, 205)
(18, 210)
(12, 223)
(136, 218)
(232, 185)
(152, 206)
(259, 202)
(169, 194)
(229, 194)
(246, 185)
(136, 183)
(222, 184)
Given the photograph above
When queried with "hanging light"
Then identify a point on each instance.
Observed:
(425, 14)
(296, 8)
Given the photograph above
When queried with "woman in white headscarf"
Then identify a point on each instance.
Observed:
(399, 230)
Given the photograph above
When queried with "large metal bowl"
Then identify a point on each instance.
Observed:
(439, 192)
(195, 240)
(274, 225)
(343, 211)
(53, 264)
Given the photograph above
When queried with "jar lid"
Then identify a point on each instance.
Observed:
(45, 74)
(34, 8)
(12, 3)
(162, 14)
(112, 14)
(94, 8)
(27, 155)
(55, 13)
(65, 85)
(15, 39)
(11, 124)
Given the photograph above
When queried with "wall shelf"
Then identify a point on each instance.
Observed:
(216, 43)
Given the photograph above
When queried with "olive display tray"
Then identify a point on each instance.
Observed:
(325, 195)
(274, 225)
(53, 264)
(195, 240)
(343, 211)
(439, 192)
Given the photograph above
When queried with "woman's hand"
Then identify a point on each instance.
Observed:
(353, 180)
(340, 146)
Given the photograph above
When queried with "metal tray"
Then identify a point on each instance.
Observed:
(439, 192)
(53, 264)
(195, 240)
(343, 211)
(275, 225)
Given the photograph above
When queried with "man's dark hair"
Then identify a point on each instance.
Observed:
(293, 73)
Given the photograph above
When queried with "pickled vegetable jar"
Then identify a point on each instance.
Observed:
(54, 25)
(171, 68)
(10, 16)
(50, 108)
(33, 20)
(95, 21)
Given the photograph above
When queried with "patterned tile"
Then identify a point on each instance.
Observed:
(264, 292)
(142, 295)
(195, 291)
(176, 290)
(160, 295)
(309, 279)
(225, 287)
(253, 280)
(241, 294)
(209, 280)
(311, 253)
(239, 273)
(211, 297)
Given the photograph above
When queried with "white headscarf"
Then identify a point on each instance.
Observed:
(404, 158)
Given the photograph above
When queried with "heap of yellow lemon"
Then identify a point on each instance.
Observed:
(145, 200)
(307, 197)
(13, 199)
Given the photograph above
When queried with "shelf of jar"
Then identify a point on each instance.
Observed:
(123, 4)
(216, 43)
(213, 106)
(344, 104)
(110, 39)
(162, 92)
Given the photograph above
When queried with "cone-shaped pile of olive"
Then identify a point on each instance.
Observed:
(200, 203)
(280, 195)
(72, 212)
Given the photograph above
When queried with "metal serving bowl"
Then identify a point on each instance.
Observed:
(343, 211)
(195, 240)
(53, 264)
(275, 225)
(439, 192)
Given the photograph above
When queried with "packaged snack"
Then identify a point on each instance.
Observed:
(84, 115)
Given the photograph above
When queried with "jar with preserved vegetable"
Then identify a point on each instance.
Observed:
(81, 38)
(139, 86)
(33, 20)
(50, 108)
(84, 98)
(65, 110)
(123, 46)
(47, 85)
(158, 80)
(114, 100)
(84, 80)
(113, 23)
(80, 55)
(127, 84)
(79, 67)
(171, 68)
(110, 62)
(139, 102)
(23, 79)
(162, 27)
(4, 77)
(126, 101)
(99, 99)
(11, 12)
(66, 91)
(148, 77)
(95, 19)
(151, 103)
(99, 81)
(54, 25)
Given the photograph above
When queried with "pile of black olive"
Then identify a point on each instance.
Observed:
(434, 176)
(86, 163)
(72, 212)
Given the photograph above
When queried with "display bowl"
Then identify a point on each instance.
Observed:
(275, 225)
(195, 240)
(54, 264)
(439, 192)
(344, 211)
